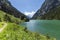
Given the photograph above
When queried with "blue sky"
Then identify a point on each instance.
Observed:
(28, 7)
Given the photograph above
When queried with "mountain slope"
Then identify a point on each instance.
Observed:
(9, 18)
(49, 10)
(6, 6)
(17, 32)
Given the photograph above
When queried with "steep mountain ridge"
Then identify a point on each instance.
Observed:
(46, 7)
(6, 6)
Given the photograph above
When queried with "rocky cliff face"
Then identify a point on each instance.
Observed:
(6, 6)
(46, 8)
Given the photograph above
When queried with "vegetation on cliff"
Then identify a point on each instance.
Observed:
(51, 15)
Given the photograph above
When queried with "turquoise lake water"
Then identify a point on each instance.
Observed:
(51, 27)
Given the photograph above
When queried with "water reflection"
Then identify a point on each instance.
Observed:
(52, 27)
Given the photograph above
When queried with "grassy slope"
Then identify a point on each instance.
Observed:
(12, 18)
(16, 32)
(1, 23)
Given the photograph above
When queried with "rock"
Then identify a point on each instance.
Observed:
(46, 8)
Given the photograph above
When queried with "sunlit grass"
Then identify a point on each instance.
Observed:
(17, 32)
(1, 24)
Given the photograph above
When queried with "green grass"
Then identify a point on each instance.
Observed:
(9, 18)
(17, 32)
(1, 24)
(1, 15)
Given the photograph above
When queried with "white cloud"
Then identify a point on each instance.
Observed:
(30, 14)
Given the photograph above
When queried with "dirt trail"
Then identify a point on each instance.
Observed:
(1, 29)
